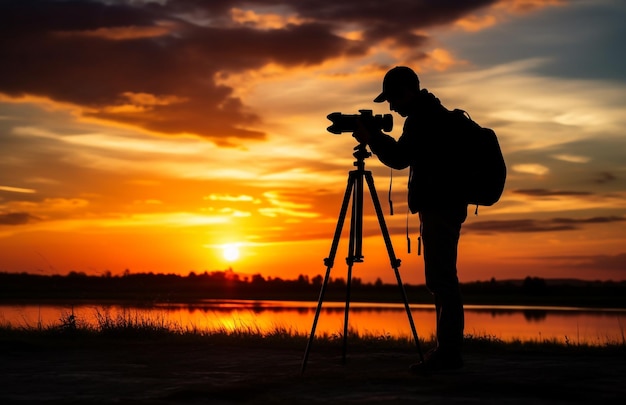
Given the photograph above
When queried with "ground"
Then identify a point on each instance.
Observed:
(166, 372)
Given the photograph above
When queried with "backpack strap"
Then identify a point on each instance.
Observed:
(419, 237)
(389, 197)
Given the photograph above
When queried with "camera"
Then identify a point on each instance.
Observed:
(349, 122)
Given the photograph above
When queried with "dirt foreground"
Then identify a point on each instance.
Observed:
(167, 373)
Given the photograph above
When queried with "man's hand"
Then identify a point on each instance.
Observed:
(362, 134)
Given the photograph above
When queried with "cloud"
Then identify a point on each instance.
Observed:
(605, 177)
(161, 67)
(163, 82)
(606, 262)
(539, 192)
(615, 262)
(592, 220)
(231, 198)
(531, 168)
(17, 218)
(534, 225)
(17, 190)
(572, 158)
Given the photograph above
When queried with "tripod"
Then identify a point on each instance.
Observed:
(354, 189)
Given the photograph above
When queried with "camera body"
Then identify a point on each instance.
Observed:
(349, 122)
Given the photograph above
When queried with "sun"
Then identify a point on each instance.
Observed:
(230, 252)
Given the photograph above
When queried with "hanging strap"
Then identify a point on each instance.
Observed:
(408, 213)
(390, 184)
(419, 238)
(408, 238)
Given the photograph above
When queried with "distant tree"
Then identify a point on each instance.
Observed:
(317, 281)
(534, 285)
(338, 282)
(258, 279)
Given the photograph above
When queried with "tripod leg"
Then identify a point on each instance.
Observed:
(347, 311)
(395, 263)
(315, 319)
(355, 248)
(329, 262)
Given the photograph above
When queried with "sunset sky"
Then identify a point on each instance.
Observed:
(185, 135)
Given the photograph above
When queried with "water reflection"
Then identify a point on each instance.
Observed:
(575, 325)
(535, 315)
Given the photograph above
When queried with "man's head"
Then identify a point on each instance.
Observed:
(400, 86)
(396, 81)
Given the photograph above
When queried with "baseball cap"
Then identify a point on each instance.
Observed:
(397, 79)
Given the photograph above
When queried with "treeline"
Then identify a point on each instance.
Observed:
(148, 288)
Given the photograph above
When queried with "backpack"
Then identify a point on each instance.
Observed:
(483, 170)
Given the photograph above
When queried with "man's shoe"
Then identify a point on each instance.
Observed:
(437, 361)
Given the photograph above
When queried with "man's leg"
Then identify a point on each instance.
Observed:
(440, 235)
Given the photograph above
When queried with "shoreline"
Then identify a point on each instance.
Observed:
(553, 304)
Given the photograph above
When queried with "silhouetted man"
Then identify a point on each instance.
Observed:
(428, 148)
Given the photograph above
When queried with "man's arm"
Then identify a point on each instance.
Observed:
(392, 153)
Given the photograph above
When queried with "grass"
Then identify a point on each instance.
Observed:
(131, 327)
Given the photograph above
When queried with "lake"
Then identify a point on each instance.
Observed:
(508, 323)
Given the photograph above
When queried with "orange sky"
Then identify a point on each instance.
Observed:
(149, 137)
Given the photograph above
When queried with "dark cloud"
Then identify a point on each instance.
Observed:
(605, 177)
(593, 220)
(605, 262)
(519, 225)
(155, 66)
(533, 225)
(16, 218)
(403, 15)
(540, 192)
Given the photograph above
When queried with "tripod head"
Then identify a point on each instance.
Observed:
(361, 153)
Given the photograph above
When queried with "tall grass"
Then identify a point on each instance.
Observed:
(130, 326)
